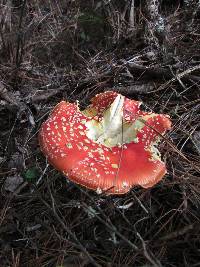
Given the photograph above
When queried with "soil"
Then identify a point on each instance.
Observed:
(53, 50)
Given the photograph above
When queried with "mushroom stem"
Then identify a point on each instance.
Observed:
(112, 120)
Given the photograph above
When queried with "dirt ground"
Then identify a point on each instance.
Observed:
(53, 50)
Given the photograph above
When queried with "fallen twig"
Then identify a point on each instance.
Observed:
(165, 73)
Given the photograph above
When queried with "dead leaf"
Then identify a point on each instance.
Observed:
(12, 183)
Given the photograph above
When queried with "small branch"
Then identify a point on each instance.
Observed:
(164, 73)
(132, 17)
(154, 262)
(20, 37)
(41, 95)
(137, 88)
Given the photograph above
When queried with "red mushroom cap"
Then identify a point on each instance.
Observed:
(110, 146)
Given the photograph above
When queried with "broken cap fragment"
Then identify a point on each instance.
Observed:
(109, 147)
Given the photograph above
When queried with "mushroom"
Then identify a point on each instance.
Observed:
(109, 147)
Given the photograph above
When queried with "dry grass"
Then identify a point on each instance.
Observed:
(50, 50)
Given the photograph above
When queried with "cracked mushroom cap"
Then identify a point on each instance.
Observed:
(108, 147)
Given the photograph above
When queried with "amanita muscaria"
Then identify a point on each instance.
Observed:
(108, 147)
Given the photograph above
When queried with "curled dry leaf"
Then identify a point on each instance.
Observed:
(109, 147)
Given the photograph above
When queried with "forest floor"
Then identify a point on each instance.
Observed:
(54, 50)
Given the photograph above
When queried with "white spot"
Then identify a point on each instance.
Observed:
(124, 184)
(99, 191)
(115, 166)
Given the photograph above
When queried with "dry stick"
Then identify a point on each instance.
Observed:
(167, 222)
(131, 16)
(140, 202)
(184, 74)
(158, 72)
(41, 95)
(20, 35)
(155, 263)
(135, 88)
(43, 173)
(70, 233)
